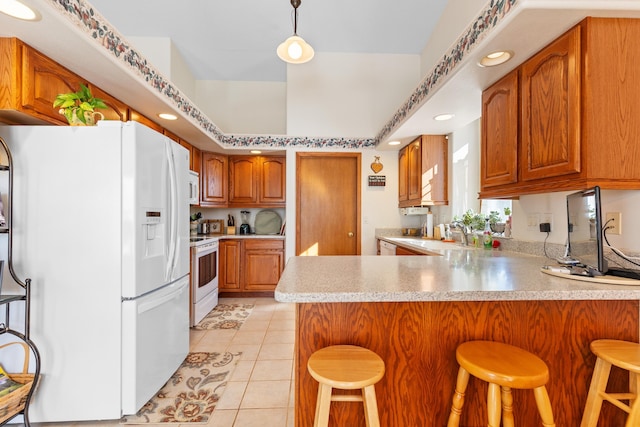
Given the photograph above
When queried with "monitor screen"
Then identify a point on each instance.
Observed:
(584, 222)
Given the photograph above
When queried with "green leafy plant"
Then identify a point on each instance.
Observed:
(475, 221)
(507, 211)
(78, 104)
(494, 217)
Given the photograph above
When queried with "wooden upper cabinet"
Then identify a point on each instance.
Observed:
(116, 110)
(409, 170)
(196, 159)
(579, 121)
(499, 124)
(422, 171)
(140, 118)
(273, 180)
(214, 184)
(550, 120)
(243, 180)
(258, 181)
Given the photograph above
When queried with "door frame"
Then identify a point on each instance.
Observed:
(358, 201)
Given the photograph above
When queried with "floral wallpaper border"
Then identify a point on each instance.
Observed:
(85, 17)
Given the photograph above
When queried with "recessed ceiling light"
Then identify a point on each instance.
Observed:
(496, 58)
(256, 152)
(17, 9)
(394, 142)
(168, 116)
(443, 117)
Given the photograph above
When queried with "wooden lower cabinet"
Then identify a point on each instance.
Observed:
(405, 251)
(250, 266)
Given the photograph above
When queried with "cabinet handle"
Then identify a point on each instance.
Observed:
(350, 234)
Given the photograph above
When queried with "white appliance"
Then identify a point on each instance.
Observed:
(101, 226)
(204, 283)
(194, 188)
(387, 248)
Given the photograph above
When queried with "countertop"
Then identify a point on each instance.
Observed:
(458, 274)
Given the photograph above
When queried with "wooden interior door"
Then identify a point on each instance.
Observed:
(328, 204)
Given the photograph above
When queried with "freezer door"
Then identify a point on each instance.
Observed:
(155, 214)
(155, 341)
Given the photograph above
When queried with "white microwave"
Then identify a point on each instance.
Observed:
(194, 189)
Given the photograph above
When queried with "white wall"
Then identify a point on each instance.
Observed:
(244, 107)
(348, 95)
(464, 171)
(164, 56)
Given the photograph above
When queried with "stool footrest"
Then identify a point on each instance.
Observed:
(615, 398)
(346, 398)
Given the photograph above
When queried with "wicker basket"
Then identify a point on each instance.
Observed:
(14, 402)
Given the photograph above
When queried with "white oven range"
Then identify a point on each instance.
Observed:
(204, 282)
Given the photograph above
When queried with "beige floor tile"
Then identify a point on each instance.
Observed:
(279, 337)
(266, 394)
(249, 337)
(261, 315)
(276, 352)
(284, 315)
(249, 351)
(272, 370)
(243, 370)
(232, 395)
(282, 325)
(291, 416)
(222, 418)
(276, 417)
(255, 325)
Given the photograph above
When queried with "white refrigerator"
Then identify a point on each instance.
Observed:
(100, 225)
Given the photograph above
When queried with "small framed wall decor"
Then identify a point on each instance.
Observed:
(216, 226)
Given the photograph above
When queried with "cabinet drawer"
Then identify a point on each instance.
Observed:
(274, 244)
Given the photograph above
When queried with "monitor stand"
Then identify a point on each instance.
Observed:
(624, 272)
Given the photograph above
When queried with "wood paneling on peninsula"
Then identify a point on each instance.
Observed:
(417, 341)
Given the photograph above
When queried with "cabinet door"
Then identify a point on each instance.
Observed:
(499, 133)
(272, 180)
(42, 80)
(116, 110)
(229, 265)
(264, 262)
(403, 170)
(213, 179)
(243, 180)
(414, 184)
(433, 183)
(550, 118)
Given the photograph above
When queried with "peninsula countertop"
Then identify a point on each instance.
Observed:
(456, 274)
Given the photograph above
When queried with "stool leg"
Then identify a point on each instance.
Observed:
(594, 399)
(544, 406)
(323, 405)
(458, 398)
(370, 406)
(493, 405)
(507, 407)
(634, 385)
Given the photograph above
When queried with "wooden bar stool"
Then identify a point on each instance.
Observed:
(625, 355)
(504, 367)
(346, 367)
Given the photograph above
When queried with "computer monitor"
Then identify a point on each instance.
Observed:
(584, 225)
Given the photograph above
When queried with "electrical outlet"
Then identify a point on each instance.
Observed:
(532, 221)
(614, 222)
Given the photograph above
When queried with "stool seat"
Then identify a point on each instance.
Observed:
(624, 355)
(502, 364)
(346, 367)
(504, 367)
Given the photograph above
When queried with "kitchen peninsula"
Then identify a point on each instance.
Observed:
(415, 310)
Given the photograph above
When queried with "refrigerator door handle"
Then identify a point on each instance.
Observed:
(150, 305)
(173, 200)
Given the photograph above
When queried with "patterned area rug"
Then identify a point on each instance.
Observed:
(192, 393)
(226, 316)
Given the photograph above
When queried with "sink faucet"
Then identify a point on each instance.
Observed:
(464, 231)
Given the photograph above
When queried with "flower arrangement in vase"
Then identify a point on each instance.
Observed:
(79, 107)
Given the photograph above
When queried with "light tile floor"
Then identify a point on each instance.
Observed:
(260, 390)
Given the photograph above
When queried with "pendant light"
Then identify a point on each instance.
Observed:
(295, 50)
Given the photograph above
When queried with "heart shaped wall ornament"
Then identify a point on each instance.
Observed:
(376, 166)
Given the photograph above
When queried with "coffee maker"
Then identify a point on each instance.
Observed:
(244, 227)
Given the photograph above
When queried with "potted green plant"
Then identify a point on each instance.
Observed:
(79, 107)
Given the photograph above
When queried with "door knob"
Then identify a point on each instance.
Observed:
(350, 234)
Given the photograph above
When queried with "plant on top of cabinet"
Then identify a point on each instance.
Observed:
(79, 107)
